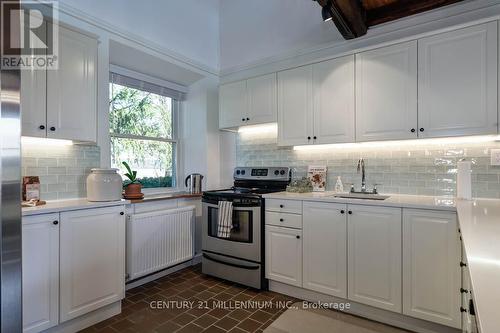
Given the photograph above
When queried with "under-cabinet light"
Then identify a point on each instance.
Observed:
(31, 141)
(403, 143)
(264, 128)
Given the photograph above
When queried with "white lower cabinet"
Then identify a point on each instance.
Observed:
(92, 262)
(374, 256)
(468, 313)
(40, 239)
(284, 255)
(397, 259)
(431, 271)
(325, 248)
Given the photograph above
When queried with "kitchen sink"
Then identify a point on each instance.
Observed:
(361, 195)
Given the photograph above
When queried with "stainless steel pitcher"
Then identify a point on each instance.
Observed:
(193, 183)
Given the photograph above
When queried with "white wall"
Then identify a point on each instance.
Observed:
(199, 114)
(258, 29)
(189, 28)
(200, 132)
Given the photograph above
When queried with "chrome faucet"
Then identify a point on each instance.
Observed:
(361, 167)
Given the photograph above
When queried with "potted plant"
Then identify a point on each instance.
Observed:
(133, 187)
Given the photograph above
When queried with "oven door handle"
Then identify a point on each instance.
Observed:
(235, 207)
(206, 256)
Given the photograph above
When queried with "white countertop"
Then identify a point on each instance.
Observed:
(479, 222)
(480, 226)
(57, 206)
(395, 200)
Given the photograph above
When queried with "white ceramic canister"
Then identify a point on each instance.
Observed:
(104, 185)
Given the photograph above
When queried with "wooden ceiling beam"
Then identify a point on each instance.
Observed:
(353, 17)
(349, 17)
(402, 8)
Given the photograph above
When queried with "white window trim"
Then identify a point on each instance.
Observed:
(147, 78)
(179, 185)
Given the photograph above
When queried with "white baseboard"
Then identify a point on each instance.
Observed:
(165, 272)
(88, 319)
(361, 310)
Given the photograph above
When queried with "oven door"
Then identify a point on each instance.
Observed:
(244, 240)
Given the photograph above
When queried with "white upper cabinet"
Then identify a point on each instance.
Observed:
(316, 103)
(325, 248)
(33, 103)
(458, 82)
(431, 271)
(72, 89)
(262, 99)
(33, 97)
(92, 260)
(248, 102)
(40, 236)
(333, 90)
(295, 106)
(386, 93)
(232, 104)
(374, 256)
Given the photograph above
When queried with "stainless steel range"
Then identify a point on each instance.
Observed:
(238, 255)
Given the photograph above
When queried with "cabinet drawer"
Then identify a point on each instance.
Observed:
(284, 206)
(284, 220)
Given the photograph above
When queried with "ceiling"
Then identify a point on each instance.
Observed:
(127, 57)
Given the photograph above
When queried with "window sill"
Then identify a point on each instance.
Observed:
(161, 190)
(166, 196)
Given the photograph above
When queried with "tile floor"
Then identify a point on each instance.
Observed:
(189, 301)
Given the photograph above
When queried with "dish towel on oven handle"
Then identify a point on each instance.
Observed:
(225, 219)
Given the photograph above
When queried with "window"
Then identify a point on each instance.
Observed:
(143, 130)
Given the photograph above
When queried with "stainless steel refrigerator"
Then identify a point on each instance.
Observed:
(10, 202)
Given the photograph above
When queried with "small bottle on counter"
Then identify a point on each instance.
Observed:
(339, 187)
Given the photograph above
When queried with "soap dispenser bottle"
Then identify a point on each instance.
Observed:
(339, 187)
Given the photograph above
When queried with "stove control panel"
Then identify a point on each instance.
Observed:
(265, 173)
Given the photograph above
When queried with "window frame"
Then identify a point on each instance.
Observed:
(174, 140)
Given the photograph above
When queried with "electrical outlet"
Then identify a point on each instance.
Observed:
(495, 156)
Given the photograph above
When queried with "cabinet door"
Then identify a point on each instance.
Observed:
(72, 89)
(262, 99)
(284, 255)
(457, 85)
(92, 260)
(386, 93)
(33, 96)
(374, 256)
(431, 271)
(325, 237)
(40, 272)
(295, 118)
(232, 104)
(333, 89)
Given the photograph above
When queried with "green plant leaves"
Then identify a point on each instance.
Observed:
(132, 175)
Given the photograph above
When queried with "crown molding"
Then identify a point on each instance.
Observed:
(440, 19)
(174, 56)
(461, 14)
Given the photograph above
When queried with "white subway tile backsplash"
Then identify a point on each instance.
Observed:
(57, 170)
(62, 170)
(427, 169)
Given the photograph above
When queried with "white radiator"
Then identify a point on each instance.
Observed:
(159, 240)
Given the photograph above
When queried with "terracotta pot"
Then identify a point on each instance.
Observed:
(133, 191)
